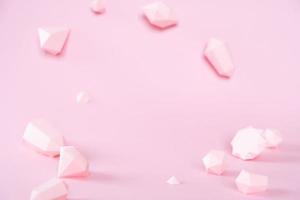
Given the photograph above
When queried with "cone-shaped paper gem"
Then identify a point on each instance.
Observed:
(248, 143)
(272, 138)
(72, 163)
(97, 6)
(54, 189)
(218, 55)
(214, 162)
(249, 183)
(52, 39)
(173, 181)
(160, 15)
(43, 137)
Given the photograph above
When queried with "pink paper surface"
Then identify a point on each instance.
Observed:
(158, 106)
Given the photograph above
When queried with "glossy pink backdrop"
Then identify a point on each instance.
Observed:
(157, 106)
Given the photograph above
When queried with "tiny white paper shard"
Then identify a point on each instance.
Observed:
(97, 6)
(249, 183)
(83, 97)
(54, 189)
(43, 137)
(173, 181)
(248, 143)
(214, 162)
(272, 138)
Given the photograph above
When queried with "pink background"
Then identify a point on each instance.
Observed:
(157, 107)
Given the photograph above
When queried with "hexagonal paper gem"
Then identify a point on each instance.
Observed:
(218, 55)
(43, 137)
(214, 162)
(97, 6)
(249, 183)
(72, 163)
(173, 181)
(53, 189)
(272, 138)
(160, 15)
(52, 39)
(248, 143)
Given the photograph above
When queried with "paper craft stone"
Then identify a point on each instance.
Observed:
(248, 143)
(160, 15)
(43, 137)
(83, 97)
(214, 162)
(249, 183)
(72, 163)
(219, 56)
(54, 189)
(173, 181)
(97, 6)
(52, 39)
(272, 138)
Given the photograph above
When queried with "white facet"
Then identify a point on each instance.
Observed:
(214, 162)
(173, 181)
(249, 183)
(272, 138)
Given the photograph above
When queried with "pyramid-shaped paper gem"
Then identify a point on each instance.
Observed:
(54, 189)
(214, 162)
(43, 137)
(72, 163)
(272, 138)
(248, 143)
(218, 55)
(173, 181)
(97, 6)
(249, 183)
(160, 15)
(52, 40)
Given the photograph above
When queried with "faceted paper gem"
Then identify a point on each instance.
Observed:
(54, 189)
(72, 163)
(173, 181)
(218, 55)
(52, 39)
(43, 137)
(214, 162)
(249, 183)
(83, 97)
(272, 138)
(97, 6)
(248, 143)
(160, 15)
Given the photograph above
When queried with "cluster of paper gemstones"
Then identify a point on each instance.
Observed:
(247, 144)
(45, 139)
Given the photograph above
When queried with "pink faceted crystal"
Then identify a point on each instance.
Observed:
(43, 137)
(160, 15)
(97, 6)
(249, 183)
(248, 143)
(72, 163)
(218, 55)
(272, 138)
(54, 189)
(214, 162)
(52, 40)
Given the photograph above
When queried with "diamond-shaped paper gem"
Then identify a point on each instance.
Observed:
(218, 55)
(160, 15)
(72, 163)
(214, 162)
(52, 39)
(272, 138)
(54, 189)
(249, 183)
(248, 143)
(43, 137)
(97, 6)
(173, 181)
